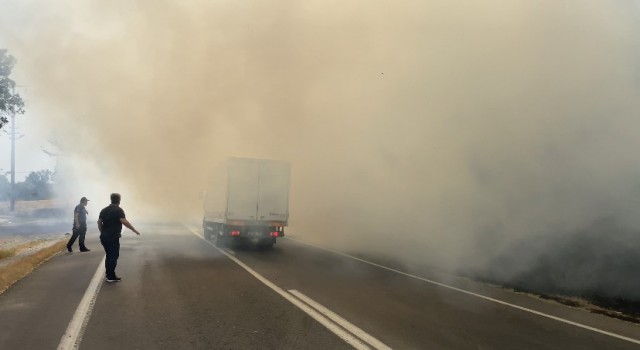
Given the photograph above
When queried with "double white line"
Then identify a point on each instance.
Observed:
(348, 332)
(338, 325)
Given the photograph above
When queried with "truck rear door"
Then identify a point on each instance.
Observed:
(242, 193)
(273, 195)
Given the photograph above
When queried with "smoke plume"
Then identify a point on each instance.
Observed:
(485, 137)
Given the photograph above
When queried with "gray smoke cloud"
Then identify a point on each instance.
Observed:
(483, 137)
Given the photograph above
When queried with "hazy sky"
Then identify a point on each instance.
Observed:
(29, 154)
(427, 127)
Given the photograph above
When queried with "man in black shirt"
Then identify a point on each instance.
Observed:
(79, 226)
(110, 224)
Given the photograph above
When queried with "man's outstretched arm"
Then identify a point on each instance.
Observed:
(129, 226)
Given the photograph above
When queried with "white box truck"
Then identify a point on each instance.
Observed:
(247, 200)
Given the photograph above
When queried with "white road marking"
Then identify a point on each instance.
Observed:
(73, 335)
(344, 335)
(597, 330)
(341, 321)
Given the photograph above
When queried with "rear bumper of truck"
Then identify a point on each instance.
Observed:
(252, 232)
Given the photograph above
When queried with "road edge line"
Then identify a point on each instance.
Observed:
(440, 284)
(73, 334)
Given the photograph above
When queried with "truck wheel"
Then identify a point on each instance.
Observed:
(206, 233)
(220, 241)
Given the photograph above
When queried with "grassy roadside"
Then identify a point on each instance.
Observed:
(7, 253)
(622, 309)
(22, 266)
(608, 307)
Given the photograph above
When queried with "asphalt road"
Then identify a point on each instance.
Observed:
(178, 291)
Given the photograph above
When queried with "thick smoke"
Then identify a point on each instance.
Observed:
(490, 137)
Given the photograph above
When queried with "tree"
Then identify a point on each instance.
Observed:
(37, 185)
(10, 100)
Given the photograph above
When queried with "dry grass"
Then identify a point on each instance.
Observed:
(26, 207)
(587, 305)
(30, 205)
(626, 314)
(22, 266)
(7, 253)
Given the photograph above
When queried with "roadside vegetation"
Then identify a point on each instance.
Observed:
(38, 185)
(625, 310)
(7, 253)
(20, 254)
(20, 265)
(48, 208)
(11, 102)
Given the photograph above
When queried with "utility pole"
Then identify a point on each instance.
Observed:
(13, 158)
(13, 162)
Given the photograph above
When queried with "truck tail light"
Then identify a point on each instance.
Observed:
(274, 234)
(235, 233)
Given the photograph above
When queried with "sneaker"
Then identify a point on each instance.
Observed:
(69, 249)
(114, 279)
(85, 250)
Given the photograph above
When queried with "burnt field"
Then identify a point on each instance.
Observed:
(595, 268)
(33, 218)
